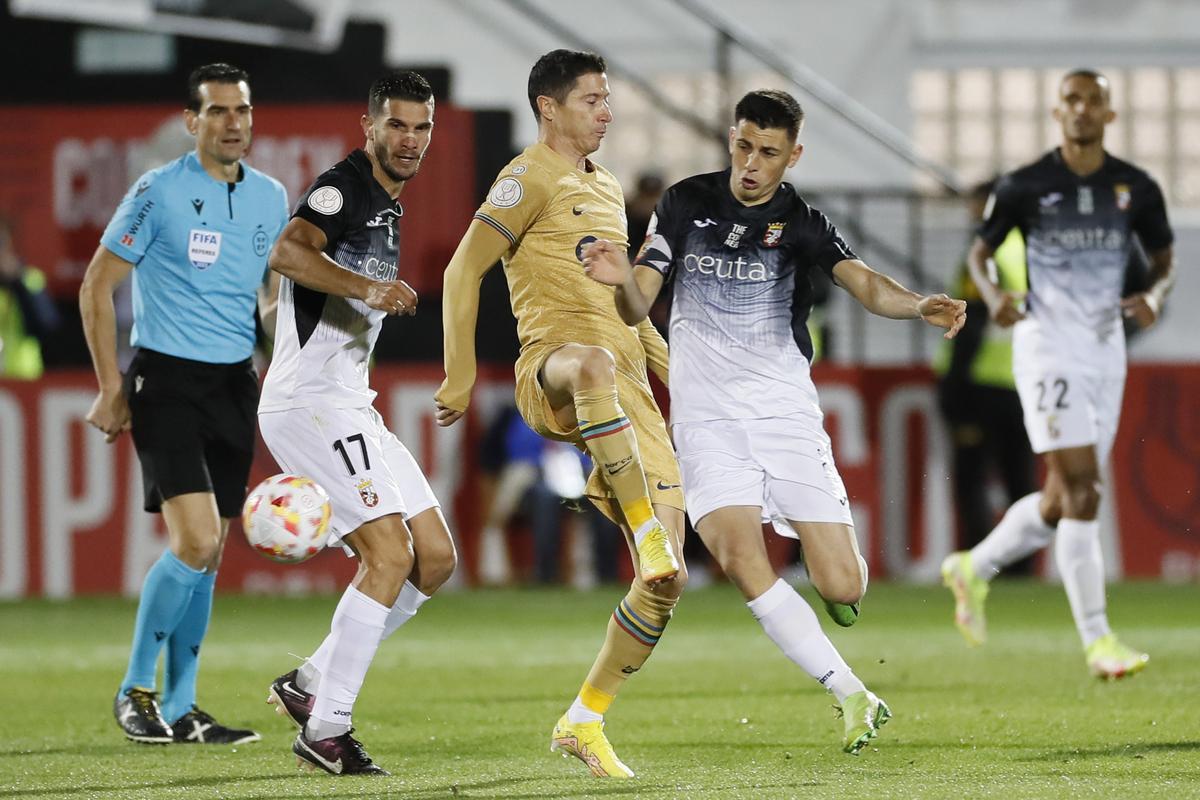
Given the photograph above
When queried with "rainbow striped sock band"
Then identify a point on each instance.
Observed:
(635, 626)
(598, 430)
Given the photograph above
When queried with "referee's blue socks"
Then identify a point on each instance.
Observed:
(166, 593)
(183, 651)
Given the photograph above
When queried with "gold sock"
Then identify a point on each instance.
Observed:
(633, 630)
(612, 443)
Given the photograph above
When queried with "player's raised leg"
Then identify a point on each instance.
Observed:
(733, 534)
(634, 629)
(581, 386)
(1022, 531)
(838, 571)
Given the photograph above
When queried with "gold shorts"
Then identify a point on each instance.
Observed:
(636, 399)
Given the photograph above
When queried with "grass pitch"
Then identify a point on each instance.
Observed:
(460, 703)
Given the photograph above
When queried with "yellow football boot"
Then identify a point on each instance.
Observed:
(587, 742)
(656, 556)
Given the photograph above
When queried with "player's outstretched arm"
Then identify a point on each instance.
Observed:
(607, 263)
(881, 295)
(299, 254)
(1144, 307)
(481, 247)
(1004, 307)
(110, 410)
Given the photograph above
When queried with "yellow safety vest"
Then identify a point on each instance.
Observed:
(992, 365)
(20, 353)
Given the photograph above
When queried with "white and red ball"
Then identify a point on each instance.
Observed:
(286, 518)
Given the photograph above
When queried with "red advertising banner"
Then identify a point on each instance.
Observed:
(71, 519)
(63, 170)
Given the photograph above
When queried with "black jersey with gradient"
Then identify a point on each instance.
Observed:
(742, 293)
(323, 342)
(1078, 234)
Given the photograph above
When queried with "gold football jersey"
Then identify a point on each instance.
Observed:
(549, 211)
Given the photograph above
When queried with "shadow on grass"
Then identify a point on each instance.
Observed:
(180, 783)
(1115, 751)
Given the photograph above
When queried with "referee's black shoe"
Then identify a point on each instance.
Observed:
(140, 719)
(198, 727)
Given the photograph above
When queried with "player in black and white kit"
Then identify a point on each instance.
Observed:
(737, 248)
(1078, 209)
(339, 258)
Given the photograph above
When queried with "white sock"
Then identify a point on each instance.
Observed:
(641, 532)
(356, 631)
(1022, 531)
(404, 609)
(1081, 564)
(308, 677)
(793, 626)
(578, 712)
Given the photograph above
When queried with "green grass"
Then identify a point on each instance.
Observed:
(460, 703)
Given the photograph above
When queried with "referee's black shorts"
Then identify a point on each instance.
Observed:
(193, 425)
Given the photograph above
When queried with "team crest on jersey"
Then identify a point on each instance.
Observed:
(204, 248)
(774, 234)
(366, 491)
(1123, 195)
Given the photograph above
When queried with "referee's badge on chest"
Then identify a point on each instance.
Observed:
(204, 248)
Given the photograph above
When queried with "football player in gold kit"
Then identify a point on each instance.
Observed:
(581, 376)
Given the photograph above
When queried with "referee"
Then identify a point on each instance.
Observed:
(196, 234)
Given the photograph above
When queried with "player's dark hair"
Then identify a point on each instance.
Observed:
(212, 73)
(555, 73)
(401, 85)
(770, 108)
(1091, 74)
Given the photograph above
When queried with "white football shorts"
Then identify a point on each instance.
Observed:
(784, 465)
(367, 472)
(1070, 409)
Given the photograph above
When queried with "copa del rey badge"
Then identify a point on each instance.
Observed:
(774, 234)
(366, 490)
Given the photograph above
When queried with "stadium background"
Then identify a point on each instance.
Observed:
(908, 102)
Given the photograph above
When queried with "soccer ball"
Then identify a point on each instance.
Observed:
(286, 518)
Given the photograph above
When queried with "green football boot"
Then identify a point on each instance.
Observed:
(864, 714)
(970, 593)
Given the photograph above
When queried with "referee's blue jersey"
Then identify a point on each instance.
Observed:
(199, 248)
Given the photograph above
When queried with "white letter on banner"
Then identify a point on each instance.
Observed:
(13, 546)
(61, 513)
(144, 544)
(899, 404)
(411, 419)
